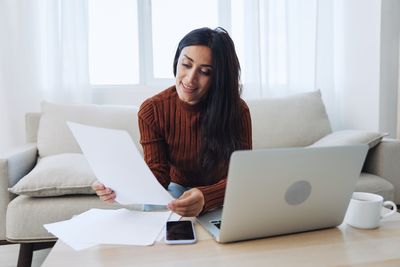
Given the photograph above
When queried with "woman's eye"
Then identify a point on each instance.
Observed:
(205, 72)
(186, 65)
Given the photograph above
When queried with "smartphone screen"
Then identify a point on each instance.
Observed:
(179, 232)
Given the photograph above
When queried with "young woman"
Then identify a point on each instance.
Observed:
(189, 130)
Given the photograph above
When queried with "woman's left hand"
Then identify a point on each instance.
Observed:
(190, 203)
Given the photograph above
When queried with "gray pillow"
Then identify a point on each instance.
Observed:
(57, 175)
(350, 137)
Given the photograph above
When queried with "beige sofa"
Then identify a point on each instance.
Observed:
(50, 179)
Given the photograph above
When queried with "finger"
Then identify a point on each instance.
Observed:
(180, 209)
(186, 200)
(108, 198)
(188, 212)
(97, 186)
(104, 192)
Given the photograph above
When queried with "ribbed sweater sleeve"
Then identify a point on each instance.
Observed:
(213, 195)
(153, 143)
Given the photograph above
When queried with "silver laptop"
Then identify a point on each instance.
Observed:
(286, 190)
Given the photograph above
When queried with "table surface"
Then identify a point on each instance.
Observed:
(340, 246)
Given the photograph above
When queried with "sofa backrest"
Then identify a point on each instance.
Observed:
(297, 120)
(54, 136)
(32, 120)
(291, 121)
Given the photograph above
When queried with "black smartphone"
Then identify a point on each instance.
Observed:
(179, 232)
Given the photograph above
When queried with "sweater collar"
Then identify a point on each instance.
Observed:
(189, 107)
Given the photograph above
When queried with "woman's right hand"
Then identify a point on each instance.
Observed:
(106, 194)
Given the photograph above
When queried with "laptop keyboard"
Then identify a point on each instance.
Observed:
(217, 223)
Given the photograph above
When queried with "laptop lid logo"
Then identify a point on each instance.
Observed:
(298, 192)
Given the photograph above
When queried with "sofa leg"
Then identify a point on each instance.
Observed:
(26, 252)
(25, 255)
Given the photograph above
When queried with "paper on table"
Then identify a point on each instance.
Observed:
(117, 163)
(62, 231)
(116, 227)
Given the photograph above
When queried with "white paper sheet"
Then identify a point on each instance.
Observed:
(117, 163)
(62, 231)
(116, 227)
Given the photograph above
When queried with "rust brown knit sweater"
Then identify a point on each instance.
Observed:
(170, 136)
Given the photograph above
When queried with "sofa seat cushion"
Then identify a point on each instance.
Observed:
(291, 121)
(26, 215)
(375, 184)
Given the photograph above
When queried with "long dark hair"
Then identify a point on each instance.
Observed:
(220, 123)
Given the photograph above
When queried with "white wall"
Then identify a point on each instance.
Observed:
(357, 63)
(366, 64)
(4, 135)
(325, 59)
(125, 96)
(389, 74)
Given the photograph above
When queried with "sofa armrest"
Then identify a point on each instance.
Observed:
(384, 160)
(14, 165)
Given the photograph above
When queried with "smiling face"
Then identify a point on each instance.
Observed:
(193, 73)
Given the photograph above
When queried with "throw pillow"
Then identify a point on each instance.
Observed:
(350, 137)
(57, 175)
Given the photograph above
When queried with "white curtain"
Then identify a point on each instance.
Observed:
(279, 52)
(346, 49)
(287, 48)
(43, 56)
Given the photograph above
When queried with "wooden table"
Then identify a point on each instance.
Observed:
(341, 246)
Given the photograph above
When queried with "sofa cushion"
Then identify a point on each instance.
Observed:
(350, 137)
(48, 210)
(54, 136)
(292, 121)
(375, 184)
(57, 175)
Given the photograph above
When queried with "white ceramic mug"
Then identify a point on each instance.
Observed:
(365, 210)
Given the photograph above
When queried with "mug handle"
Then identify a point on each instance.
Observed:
(393, 211)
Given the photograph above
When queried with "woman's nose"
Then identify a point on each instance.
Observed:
(191, 77)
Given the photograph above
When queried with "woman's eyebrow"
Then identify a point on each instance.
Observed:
(186, 56)
(203, 65)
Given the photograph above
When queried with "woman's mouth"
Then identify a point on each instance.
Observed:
(188, 89)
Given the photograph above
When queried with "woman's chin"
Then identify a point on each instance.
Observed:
(188, 99)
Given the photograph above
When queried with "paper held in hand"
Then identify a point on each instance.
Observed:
(117, 163)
